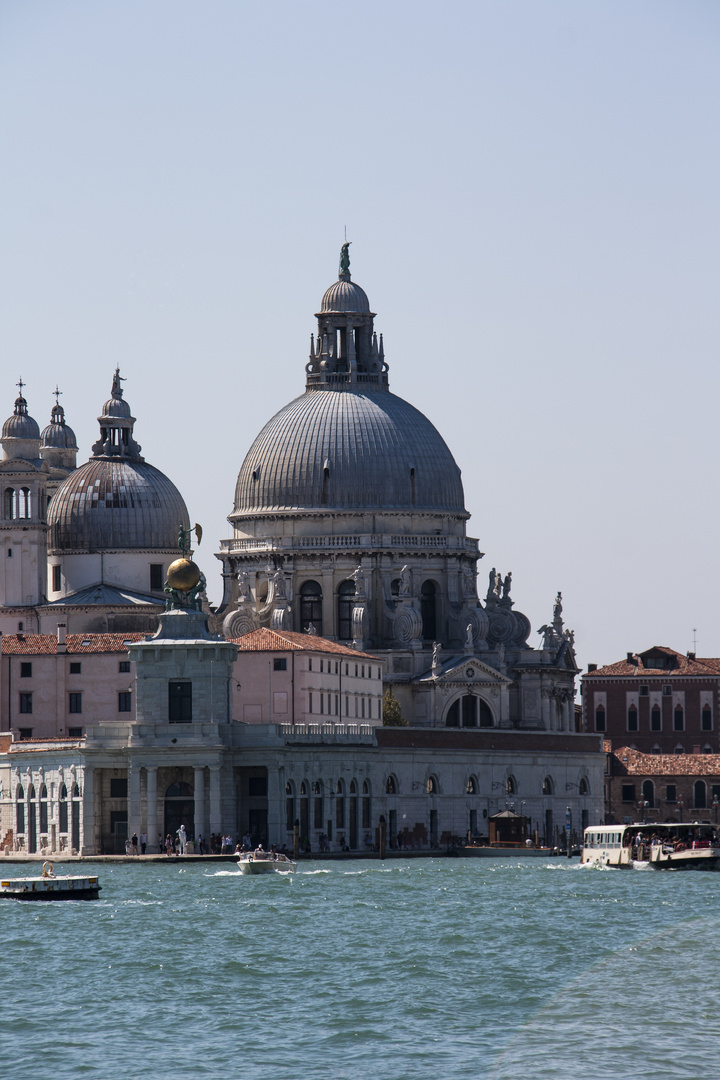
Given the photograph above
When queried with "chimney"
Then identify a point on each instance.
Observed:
(691, 656)
(61, 646)
(630, 658)
(592, 667)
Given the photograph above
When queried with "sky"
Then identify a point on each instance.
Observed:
(531, 192)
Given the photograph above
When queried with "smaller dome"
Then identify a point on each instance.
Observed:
(345, 295)
(20, 425)
(116, 407)
(57, 434)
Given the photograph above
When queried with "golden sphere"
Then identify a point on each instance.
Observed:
(183, 575)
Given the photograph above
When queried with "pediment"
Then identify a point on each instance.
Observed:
(467, 670)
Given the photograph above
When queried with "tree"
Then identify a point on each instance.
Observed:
(391, 712)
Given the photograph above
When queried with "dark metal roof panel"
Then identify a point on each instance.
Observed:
(380, 452)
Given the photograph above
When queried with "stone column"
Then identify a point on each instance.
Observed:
(199, 785)
(133, 803)
(276, 806)
(215, 804)
(87, 814)
(152, 810)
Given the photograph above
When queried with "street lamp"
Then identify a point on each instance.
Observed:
(715, 804)
(642, 806)
(680, 806)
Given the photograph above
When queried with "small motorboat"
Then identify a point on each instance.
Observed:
(50, 887)
(265, 862)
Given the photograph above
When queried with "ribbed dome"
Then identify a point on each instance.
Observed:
(345, 296)
(116, 407)
(379, 452)
(115, 504)
(20, 425)
(57, 434)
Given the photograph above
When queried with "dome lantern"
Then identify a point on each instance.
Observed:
(116, 426)
(347, 351)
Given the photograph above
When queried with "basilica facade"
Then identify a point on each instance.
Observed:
(348, 528)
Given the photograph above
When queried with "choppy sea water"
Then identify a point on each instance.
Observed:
(403, 970)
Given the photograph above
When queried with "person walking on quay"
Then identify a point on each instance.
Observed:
(128, 847)
(143, 842)
(182, 837)
(134, 843)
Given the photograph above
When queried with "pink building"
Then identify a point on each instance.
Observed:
(56, 686)
(286, 677)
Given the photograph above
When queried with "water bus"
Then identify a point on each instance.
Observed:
(694, 845)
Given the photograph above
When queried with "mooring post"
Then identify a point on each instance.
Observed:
(382, 836)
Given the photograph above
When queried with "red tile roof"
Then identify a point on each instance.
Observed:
(684, 666)
(635, 763)
(46, 644)
(264, 640)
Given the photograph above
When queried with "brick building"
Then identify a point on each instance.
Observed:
(661, 787)
(658, 702)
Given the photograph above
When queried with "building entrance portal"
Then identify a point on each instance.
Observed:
(179, 809)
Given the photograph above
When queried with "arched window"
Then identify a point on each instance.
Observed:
(317, 805)
(289, 806)
(548, 787)
(20, 811)
(510, 786)
(655, 719)
(600, 718)
(431, 787)
(427, 610)
(43, 809)
(366, 815)
(584, 788)
(469, 711)
(345, 598)
(25, 505)
(63, 810)
(352, 815)
(340, 805)
(304, 813)
(395, 587)
(632, 718)
(648, 792)
(471, 786)
(32, 820)
(700, 795)
(678, 718)
(707, 718)
(311, 606)
(9, 506)
(391, 785)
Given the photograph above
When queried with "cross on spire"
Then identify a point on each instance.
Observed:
(56, 394)
(20, 383)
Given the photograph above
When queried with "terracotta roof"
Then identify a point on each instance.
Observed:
(634, 763)
(264, 640)
(684, 666)
(46, 644)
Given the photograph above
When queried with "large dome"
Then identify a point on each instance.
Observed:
(116, 504)
(347, 449)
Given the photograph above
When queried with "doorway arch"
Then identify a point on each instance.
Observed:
(179, 808)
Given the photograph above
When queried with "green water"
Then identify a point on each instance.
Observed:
(404, 970)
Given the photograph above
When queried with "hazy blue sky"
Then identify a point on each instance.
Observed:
(531, 191)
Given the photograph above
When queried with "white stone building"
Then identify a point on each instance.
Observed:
(349, 524)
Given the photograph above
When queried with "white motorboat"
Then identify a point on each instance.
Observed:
(265, 862)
